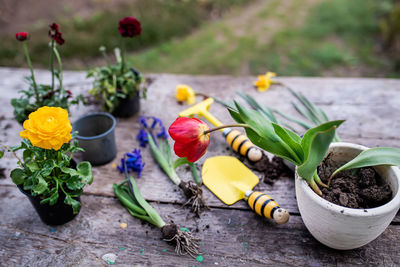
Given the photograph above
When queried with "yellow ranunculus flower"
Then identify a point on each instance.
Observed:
(48, 127)
(264, 81)
(185, 93)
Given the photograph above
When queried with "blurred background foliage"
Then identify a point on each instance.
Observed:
(240, 37)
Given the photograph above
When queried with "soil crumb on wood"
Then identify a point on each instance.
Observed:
(356, 188)
(272, 169)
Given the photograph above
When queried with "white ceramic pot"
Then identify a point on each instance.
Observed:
(345, 228)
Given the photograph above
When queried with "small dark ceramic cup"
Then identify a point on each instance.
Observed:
(96, 137)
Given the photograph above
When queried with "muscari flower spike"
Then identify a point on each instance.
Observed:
(133, 162)
(157, 123)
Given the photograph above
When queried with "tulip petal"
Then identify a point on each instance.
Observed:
(186, 130)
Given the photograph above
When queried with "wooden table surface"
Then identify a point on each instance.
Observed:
(230, 235)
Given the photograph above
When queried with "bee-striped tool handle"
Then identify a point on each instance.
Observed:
(242, 145)
(265, 206)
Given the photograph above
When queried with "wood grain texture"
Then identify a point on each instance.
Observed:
(370, 107)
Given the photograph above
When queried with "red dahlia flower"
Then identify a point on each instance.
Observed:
(22, 36)
(55, 34)
(129, 27)
(190, 140)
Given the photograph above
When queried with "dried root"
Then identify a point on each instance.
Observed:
(194, 193)
(184, 241)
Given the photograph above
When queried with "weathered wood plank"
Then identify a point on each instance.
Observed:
(363, 126)
(228, 237)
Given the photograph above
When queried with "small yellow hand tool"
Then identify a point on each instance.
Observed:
(230, 180)
(238, 141)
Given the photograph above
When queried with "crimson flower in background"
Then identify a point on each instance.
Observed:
(22, 36)
(55, 34)
(190, 140)
(129, 27)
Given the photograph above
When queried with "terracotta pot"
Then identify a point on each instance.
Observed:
(345, 228)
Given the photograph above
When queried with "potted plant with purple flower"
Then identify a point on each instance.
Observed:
(119, 85)
(39, 95)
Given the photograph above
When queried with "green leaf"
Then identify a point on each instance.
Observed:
(33, 166)
(27, 155)
(74, 183)
(262, 134)
(52, 199)
(40, 186)
(76, 205)
(315, 143)
(48, 167)
(235, 115)
(372, 157)
(1, 153)
(18, 176)
(84, 170)
(156, 218)
(179, 162)
(292, 140)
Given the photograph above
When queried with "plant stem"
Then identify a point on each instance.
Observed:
(52, 65)
(60, 75)
(315, 187)
(196, 176)
(226, 126)
(15, 154)
(123, 48)
(28, 59)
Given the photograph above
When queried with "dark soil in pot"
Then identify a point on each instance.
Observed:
(272, 170)
(356, 188)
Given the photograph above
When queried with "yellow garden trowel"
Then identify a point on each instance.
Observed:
(238, 141)
(230, 180)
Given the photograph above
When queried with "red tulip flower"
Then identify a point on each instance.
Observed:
(129, 27)
(22, 36)
(190, 140)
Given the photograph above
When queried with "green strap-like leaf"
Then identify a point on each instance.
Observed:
(156, 218)
(372, 157)
(179, 162)
(315, 143)
(263, 135)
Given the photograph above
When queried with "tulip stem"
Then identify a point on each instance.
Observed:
(226, 126)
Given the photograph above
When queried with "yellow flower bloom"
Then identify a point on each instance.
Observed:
(185, 93)
(264, 81)
(48, 127)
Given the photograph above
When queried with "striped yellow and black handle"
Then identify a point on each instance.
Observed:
(265, 206)
(241, 144)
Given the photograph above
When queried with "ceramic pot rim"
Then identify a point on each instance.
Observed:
(105, 114)
(394, 203)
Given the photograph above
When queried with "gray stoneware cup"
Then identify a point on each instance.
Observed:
(96, 136)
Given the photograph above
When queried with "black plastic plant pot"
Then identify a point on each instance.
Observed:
(96, 136)
(127, 107)
(57, 214)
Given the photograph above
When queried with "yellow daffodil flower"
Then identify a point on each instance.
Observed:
(185, 93)
(264, 81)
